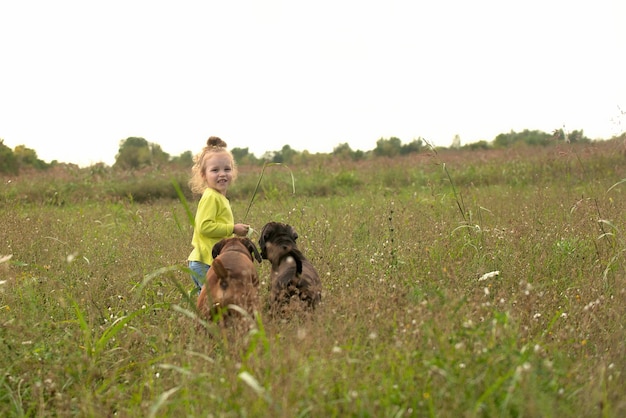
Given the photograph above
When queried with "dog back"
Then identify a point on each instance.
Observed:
(292, 274)
(231, 280)
(296, 276)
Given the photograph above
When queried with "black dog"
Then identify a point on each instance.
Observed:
(293, 276)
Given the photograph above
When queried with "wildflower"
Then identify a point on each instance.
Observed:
(71, 257)
(591, 304)
(529, 287)
(489, 275)
(336, 349)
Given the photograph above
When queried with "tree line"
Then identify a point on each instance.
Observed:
(137, 152)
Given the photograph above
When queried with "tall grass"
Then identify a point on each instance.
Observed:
(97, 319)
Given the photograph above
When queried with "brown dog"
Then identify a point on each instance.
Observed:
(231, 280)
(293, 276)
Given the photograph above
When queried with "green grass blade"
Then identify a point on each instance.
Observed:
(258, 183)
(616, 184)
(183, 200)
(163, 397)
(113, 330)
(84, 326)
(159, 272)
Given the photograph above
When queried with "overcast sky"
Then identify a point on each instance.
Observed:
(77, 77)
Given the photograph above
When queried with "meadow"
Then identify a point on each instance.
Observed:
(456, 284)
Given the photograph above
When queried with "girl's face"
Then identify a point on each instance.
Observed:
(218, 172)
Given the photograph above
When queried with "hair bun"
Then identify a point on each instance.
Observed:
(216, 142)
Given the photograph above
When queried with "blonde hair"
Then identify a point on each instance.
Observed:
(214, 146)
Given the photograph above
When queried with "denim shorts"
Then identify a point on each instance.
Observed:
(198, 273)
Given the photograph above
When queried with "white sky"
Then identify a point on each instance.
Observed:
(76, 77)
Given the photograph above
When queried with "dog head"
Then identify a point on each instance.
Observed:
(278, 240)
(277, 233)
(237, 244)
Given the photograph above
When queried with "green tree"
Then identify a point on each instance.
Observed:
(243, 156)
(388, 147)
(574, 137)
(504, 140)
(184, 160)
(28, 157)
(8, 162)
(480, 145)
(285, 155)
(343, 151)
(158, 156)
(414, 146)
(134, 152)
(526, 136)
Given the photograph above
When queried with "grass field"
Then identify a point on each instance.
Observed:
(97, 319)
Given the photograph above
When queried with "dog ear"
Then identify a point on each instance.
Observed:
(297, 255)
(253, 250)
(262, 240)
(221, 272)
(294, 234)
(217, 248)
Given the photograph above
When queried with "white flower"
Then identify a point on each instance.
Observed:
(489, 275)
(71, 257)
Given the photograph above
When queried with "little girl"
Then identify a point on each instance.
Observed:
(213, 171)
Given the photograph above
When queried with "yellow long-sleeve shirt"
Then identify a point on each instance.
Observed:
(214, 221)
